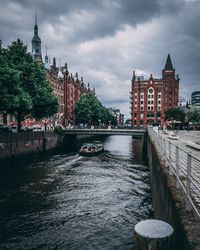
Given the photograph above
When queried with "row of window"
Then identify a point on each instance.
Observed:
(149, 102)
(150, 106)
(149, 97)
(148, 115)
(148, 122)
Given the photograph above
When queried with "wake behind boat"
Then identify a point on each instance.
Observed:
(91, 149)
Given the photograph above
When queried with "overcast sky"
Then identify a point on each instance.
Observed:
(105, 40)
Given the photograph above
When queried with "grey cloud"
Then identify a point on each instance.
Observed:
(175, 30)
(111, 15)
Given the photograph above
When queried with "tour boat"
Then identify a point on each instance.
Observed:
(91, 149)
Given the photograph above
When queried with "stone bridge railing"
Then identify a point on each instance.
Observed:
(133, 132)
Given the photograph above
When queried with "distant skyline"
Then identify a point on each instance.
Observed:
(105, 40)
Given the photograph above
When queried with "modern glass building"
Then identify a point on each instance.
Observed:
(195, 98)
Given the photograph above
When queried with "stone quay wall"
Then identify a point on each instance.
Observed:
(18, 144)
(169, 204)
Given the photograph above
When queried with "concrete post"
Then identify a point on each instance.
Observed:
(170, 159)
(44, 143)
(153, 235)
(177, 168)
(188, 182)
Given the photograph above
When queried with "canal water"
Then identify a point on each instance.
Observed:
(67, 201)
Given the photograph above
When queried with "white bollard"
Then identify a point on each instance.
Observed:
(153, 235)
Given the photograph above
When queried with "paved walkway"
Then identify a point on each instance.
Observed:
(184, 161)
(183, 137)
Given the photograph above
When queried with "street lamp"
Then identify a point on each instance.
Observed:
(99, 123)
(109, 125)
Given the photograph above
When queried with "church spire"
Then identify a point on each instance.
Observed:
(35, 16)
(168, 64)
(36, 43)
(46, 56)
(46, 61)
(168, 71)
(133, 78)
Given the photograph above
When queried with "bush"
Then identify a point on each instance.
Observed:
(58, 129)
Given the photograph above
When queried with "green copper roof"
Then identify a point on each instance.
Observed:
(168, 64)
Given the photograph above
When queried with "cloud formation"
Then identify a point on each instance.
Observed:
(105, 40)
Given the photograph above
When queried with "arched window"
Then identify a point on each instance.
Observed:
(150, 99)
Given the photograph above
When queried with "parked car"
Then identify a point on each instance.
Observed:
(36, 127)
(4, 128)
(13, 128)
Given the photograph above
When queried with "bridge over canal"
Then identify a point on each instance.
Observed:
(132, 132)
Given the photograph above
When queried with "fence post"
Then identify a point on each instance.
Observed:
(170, 158)
(164, 149)
(188, 205)
(177, 167)
(153, 235)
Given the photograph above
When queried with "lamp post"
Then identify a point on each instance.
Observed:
(109, 125)
(99, 123)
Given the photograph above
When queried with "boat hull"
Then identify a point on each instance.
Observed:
(91, 153)
(91, 149)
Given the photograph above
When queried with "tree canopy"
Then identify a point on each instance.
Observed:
(193, 115)
(175, 114)
(89, 110)
(24, 89)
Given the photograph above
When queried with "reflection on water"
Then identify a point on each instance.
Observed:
(67, 201)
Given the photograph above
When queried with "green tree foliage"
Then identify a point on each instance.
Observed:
(175, 114)
(24, 89)
(193, 115)
(89, 110)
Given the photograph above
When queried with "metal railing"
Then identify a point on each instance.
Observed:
(101, 131)
(183, 166)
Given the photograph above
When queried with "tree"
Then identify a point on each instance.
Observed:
(193, 116)
(24, 89)
(89, 110)
(174, 114)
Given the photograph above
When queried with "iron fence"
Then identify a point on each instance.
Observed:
(183, 165)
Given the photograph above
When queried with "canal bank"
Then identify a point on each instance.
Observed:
(23, 143)
(16, 145)
(169, 203)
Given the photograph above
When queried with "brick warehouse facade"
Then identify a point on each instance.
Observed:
(151, 98)
(66, 87)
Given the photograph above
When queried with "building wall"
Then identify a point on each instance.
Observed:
(73, 89)
(151, 98)
(195, 98)
(58, 90)
(67, 88)
(18, 144)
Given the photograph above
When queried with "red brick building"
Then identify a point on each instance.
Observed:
(151, 98)
(67, 88)
(73, 89)
(56, 79)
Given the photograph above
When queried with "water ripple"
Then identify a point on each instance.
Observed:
(66, 201)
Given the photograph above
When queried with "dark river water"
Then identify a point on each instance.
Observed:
(67, 201)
